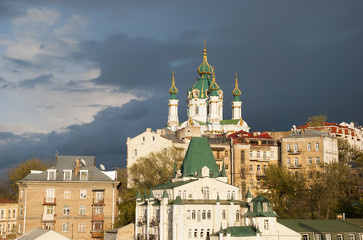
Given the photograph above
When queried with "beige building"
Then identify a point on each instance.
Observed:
(307, 149)
(8, 218)
(73, 198)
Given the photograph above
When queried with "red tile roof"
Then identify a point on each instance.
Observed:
(4, 200)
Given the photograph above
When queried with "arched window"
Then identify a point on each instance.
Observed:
(188, 214)
(228, 195)
(209, 215)
(204, 213)
(196, 110)
(195, 233)
(199, 215)
(193, 214)
(201, 233)
(224, 214)
(190, 233)
(206, 192)
(208, 232)
(184, 194)
(237, 215)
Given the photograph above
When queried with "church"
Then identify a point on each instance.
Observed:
(198, 203)
(205, 105)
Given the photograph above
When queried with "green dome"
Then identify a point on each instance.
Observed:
(205, 68)
(173, 90)
(236, 92)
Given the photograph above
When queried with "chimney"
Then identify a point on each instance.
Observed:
(76, 168)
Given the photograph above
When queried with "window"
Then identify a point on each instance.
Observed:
(258, 154)
(135, 152)
(66, 210)
(265, 207)
(226, 154)
(201, 233)
(318, 236)
(209, 214)
(67, 195)
(188, 214)
(265, 224)
(9, 213)
(21, 211)
(305, 237)
(81, 227)
(237, 215)
(224, 214)
(251, 168)
(258, 182)
(83, 175)
(193, 214)
(309, 161)
(50, 195)
(242, 157)
(189, 233)
(228, 194)
(51, 175)
(310, 174)
(340, 236)
(317, 146)
(195, 233)
(264, 167)
(351, 237)
(251, 153)
(288, 162)
(153, 138)
(258, 168)
(20, 227)
(317, 160)
(199, 215)
(184, 194)
(99, 196)
(264, 155)
(22, 193)
(295, 147)
(272, 155)
(49, 210)
(98, 209)
(208, 232)
(196, 110)
(296, 162)
(204, 214)
(327, 236)
(82, 210)
(309, 147)
(65, 227)
(288, 147)
(67, 175)
(83, 194)
(190, 194)
(97, 226)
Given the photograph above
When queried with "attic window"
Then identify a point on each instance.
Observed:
(67, 175)
(51, 175)
(264, 206)
(83, 175)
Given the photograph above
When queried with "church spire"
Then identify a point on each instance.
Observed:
(173, 90)
(205, 68)
(173, 120)
(236, 92)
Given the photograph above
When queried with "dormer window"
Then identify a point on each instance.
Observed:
(83, 175)
(67, 175)
(265, 207)
(52, 175)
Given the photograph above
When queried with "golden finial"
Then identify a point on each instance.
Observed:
(173, 89)
(236, 79)
(173, 75)
(236, 91)
(204, 43)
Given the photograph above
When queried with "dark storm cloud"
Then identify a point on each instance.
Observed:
(104, 137)
(41, 80)
(7, 11)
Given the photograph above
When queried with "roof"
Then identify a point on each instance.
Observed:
(307, 133)
(319, 225)
(229, 121)
(5, 200)
(236, 92)
(68, 163)
(173, 90)
(172, 185)
(258, 209)
(198, 155)
(242, 231)
(39, 233)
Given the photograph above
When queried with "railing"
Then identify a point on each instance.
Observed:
(48, 217)
(97, 217)
(49, 201)
(260, 174)
(99, 202)
(97, 234)
(295, 166)
(292, 152)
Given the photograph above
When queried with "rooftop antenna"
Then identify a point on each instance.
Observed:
(83, 162)
(102, 167)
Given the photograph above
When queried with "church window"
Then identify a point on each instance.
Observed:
(193, 215)
(199, 215)
(266, 224)
(196, 110)
(204, 214)
(188, 214)
(237, 215)
(201, 233)
(209, 214)
(224, 214)
(195, 233)
(184, 194)
(190, 233)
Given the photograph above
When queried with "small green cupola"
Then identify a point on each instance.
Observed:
(236, 92)
(173, 90)
(205, 68)
(213, 86)
(260, 207)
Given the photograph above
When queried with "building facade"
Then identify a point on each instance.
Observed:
(74, 198)
(8, 218)
(199, 202)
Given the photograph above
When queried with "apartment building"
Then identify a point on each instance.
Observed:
(74, 198)
(308, 149)
(8, 218)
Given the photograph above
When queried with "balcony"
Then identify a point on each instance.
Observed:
(98, 202)
(97, 234)
(260, 174)
(49, 201)
(97, 217)
(295, 166)
(291, 152)
(48, 217)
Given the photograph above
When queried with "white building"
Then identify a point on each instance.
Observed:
(199, 203)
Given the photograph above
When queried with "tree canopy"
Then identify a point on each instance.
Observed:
(317, 120)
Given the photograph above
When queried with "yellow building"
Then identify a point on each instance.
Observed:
(8, 218)
(73, 198)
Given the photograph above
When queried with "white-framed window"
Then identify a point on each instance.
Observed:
(83, 194)
(296, 162)
(82, 210)
(351, 237)
(251, 153)
(199, 215)
(65, 227)
(22, 193)
(82, 227)
(67, 175)
(83, 175)
(339, 236)
(228, 195)
(67, 194)
(258, 154)
(99, 196)
(50, 195)
(209, 214)
(305, 237)
(317, 236)
(288, 147)
(266, 224)
(264, 155)
(185, 194)
(309, 147)
(309, 161)
(258, 168)
(135, 152)
(328, 236)
(188, 214)
(52, 174)
(317, 160)
(193, 214)
(66, 210)
(317, 146)
(189, 233)
(20, 227)
(14, 213)
(21, 211)
(49, 210)
(224, 214)
(288, 162)
(98, 209)
(9, 213)
(97, 226)
(204, 214)
(295, 147)
(206, 192)
(237, 216)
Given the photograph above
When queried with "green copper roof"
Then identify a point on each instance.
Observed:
(178, 201)
(223, 172)
(236, 92)
(173, 90)
(229, 121)
(172, 185)
(241, 231)
(218, 199)
(319, 225)
(198, 155)
(248, 195)
(165, 194)
(151, 195)
(138, 196)
(205, 68)
(258, 208)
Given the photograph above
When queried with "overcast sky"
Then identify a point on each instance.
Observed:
(81, 76)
